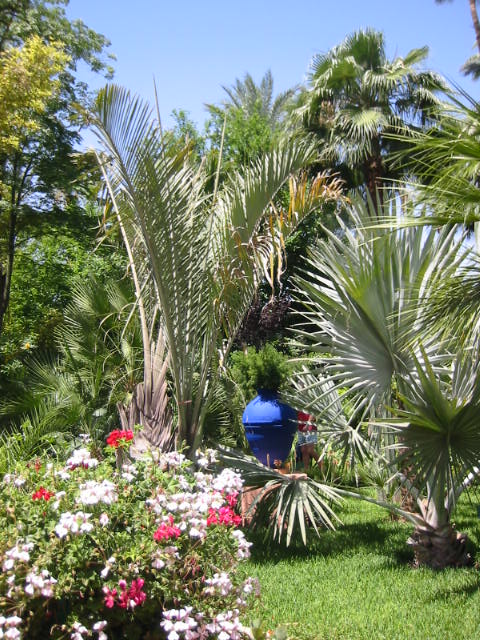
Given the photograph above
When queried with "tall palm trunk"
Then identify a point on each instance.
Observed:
(476, 21)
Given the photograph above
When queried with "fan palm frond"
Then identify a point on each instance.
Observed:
(285, 506)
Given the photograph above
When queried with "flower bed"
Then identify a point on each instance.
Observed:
(93, 549)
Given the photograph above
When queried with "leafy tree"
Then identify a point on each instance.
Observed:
(356, 96)
(37, 166)
(250, 121)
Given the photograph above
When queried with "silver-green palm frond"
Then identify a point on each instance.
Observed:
(361, 292)
(437, 426)
(446, 160)
(285, 506)
(320, 396)
(203, 253)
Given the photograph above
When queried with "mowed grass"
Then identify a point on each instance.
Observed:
(357, 583)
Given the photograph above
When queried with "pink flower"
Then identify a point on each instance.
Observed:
(109, 597)
(166, 531)
(128, 598)
(224, 515)
(232, 499)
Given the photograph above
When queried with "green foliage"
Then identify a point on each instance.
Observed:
(357, 582)
(99, 362)
(27, 82)
(66, 251)
(265, 368)
(77, 537)
(285, 508)
(356, 96)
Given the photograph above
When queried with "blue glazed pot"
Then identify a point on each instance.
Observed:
(270, 426)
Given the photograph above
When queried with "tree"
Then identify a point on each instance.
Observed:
(76, 391)
(195, 256)
(363, 296)
(250, 121)
(356, 96)
(252, 99)
(39, 117)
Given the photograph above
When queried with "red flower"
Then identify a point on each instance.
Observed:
(117, 438)
(232, 499)
(42, 494)
(225, 515)
(212, 517)
(129, 598)
(167, 531)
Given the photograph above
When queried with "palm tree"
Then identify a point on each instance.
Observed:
(446, 161)
(196, 255)
(356, 95)
(472, 65)
(252, 98)
(363, 295)
(79, 391)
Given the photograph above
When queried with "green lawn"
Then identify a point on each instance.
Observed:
(357, 583)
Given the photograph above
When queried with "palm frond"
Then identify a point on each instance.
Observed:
(286, 506)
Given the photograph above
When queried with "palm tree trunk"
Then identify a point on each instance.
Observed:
(476, 21)
(435, 543)
(439, 548)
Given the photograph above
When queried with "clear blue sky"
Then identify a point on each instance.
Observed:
(193, 47)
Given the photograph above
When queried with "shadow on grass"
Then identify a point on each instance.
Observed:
(362, 537)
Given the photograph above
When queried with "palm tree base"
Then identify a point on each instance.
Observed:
(439, 548)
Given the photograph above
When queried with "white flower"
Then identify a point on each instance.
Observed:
(93, 492)
(101, 624)
(81, 458)
(108, 565)
(73, 523)
(16, 553)
(62, 474)
(39, 583)
(104, 519)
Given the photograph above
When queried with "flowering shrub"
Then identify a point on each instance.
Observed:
(149, 550)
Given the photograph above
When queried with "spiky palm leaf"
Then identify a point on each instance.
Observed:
(286, 505)
(363, 297)
(203, 253)
(362, 293)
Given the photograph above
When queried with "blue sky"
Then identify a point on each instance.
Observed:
(193, 47)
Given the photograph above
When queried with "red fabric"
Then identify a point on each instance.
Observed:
(306, 421)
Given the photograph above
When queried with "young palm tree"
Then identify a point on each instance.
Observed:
(252, 98)
(97, 370)
(363, 295)
(356, 95)
(196, 256)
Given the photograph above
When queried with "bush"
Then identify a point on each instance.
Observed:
(266, 368)
(97, 549)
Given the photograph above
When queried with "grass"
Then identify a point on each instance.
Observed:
(357, 583)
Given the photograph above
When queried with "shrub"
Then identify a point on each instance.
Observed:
(95, 549)
(266, 368)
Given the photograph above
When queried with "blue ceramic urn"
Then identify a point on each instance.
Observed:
(270, 426)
